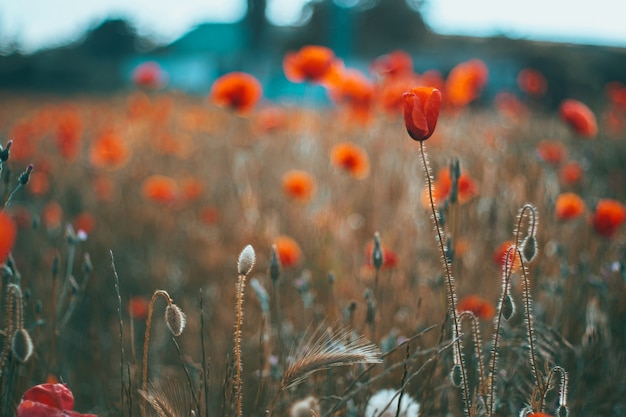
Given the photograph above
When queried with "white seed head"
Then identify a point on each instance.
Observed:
(246, 260)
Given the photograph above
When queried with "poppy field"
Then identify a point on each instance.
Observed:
(410, 249)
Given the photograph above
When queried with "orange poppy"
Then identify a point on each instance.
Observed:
(138, 307)
(500, 256)
(465, 82)
(351, 158)
(160, 189)
(85, 222)
(532, 82)
(390, 258)
(552, 152)
(481, 308)
(392, 65)
(288, 251)
(149, 75)
(608, 217)
(539, 414)
(467, 188)
(356, 91)
(236, 90)
(52, 215)
(421, 111)
(579, 117)
(299, 185)
(569, 206)
(8, 233)
(312, 63)
(390, 94)
(571, 173)
(109, 150)
(68, 134)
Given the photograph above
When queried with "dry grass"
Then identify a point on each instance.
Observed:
(577, 282)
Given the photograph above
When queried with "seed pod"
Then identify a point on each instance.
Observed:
(175, 319)
(508, 307)
(377, 252)
(22, 345)
(529, 248)
(456, 376)
(246, 260)
(562, 411)
(274, 265)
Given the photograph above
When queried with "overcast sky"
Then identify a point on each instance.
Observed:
(36, 24)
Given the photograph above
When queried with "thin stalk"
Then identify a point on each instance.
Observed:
(119, 316)
(205, 371)
(241, 282)
(450, 288)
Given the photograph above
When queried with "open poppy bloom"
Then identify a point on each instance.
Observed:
(579, 117)
(356, 91)
(8, 231)
(421, 111)
(299, 185)
(149, 75)
(312, 63)
(48, 400)
(236, 90)
(109, 150)
(288, 251)
(465, 82)
(608, 217)
(569, 206)
(532, 82)
(351, 158)
(160, 189)
(481, 308)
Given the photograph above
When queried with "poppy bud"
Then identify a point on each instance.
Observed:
(421, 110)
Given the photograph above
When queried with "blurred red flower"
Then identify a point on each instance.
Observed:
(312, 63)
(68, 133)
(392, 65)
(500, 256)
(271, 119)
(299, 185)
(138, 307)
(109, 150)
(149, 75)
(48, 400)
(481, 308)
(579, 117)
(209, 215)
(465, 82)
(608, 216)
(236, 90)
(571, 173)
(351, 158)
(467, 188)
(160, 189)
(569, 206)
(191, 188)
(85, 221)
(8, 233)
(52, 215)
(353, 89)
(421, 111)
(532, 82)
(288, 251)
(390, 258)
(552, 152)
(38, 184)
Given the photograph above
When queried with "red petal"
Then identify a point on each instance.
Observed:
(53, 395)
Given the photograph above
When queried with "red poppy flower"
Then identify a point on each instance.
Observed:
(500, 254)
(138, 307)
(579, 117)
(310, 64)
(608, 217)
(421, 111)
(149, 75)
(353, 89)
(109, 150)
(394, 64)
(8, 232)
(467, 188)
(551, 151)
(569, 206)
(85, 222)
(481, 308)
(160, 189)
(465, 82)
(69, 130)
(539, 414)
(288, 251)
(532, 82)
(571, 173)
(236, 90)
(351, 158)
(48, 400)
(299, 185)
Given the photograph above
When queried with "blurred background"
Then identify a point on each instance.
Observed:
(71, 46)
